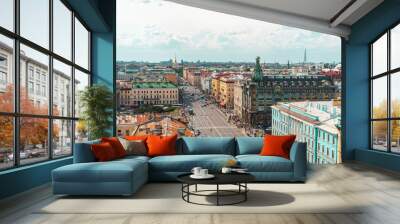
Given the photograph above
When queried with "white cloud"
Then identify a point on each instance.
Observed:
(155, 24)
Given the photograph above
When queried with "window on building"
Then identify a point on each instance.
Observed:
(385, 97)
(3, 61)
(3, 78)
(30, 73)
(45, 131)
(30, 87)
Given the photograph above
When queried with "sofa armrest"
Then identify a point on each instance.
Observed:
(83, 152)
(299, 158)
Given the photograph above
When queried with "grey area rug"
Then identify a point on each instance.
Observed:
(166, 198)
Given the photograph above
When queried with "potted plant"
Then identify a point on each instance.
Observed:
(96, 103)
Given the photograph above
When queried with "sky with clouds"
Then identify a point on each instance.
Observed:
(155, 30)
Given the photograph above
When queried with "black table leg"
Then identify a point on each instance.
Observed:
(182, 189)
(188, 190)
(195, 188)
(245, 193)
(217, 194)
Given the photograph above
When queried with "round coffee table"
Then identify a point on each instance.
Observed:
(238, 179)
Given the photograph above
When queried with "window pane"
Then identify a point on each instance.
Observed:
(379, 55)
(395, 47)
(81, 131)
(62, 138)
(395, 94)
(6, 142)
(34, 97)
(81, 45)
(395, 138)
(62, 29)
(379, 135)
(7, 14)
(35, 21)
(81, 82)
(33, 139)
(62, 89)
(379, 97)
(6, 75)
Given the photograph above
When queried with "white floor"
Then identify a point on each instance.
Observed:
(377, 190)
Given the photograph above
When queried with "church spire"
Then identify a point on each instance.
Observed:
(258, 73)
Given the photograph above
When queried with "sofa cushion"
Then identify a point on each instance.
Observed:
(112, 171)
(257, 163)
(133, 158)
(185, 163)
(248, 145)
(207, 145)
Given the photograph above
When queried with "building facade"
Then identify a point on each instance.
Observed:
(262, 91)
(205, 83)
(147, 93)
(238, 99)
(226, 92)
(316, 123)
(192, 75)
(35, 87)
(35, 82)
(215, 88)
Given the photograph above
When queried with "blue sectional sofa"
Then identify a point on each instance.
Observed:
(125, 176)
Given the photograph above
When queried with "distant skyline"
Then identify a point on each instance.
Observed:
(156, 30)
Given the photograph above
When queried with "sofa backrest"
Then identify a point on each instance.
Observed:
(190, 146)
(206, 145)
(249, 145)
(83, 152)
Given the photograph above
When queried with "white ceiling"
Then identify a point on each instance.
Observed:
(314, 15)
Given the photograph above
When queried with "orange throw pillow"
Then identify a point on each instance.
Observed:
(116, 145)
(161, 145)
(103, 152)
(277, 145)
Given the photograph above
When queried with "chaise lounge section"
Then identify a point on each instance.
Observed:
(125, 176)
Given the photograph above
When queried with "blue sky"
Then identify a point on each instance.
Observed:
(155, 30)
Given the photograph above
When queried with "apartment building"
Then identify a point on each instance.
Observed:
(147, 93)
(315, 122)
(226, 92)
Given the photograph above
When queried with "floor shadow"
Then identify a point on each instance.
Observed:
(256, 198)
(162, 190)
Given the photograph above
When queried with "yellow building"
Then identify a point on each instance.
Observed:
(215, 88)
(238, 99)
(226, 85)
